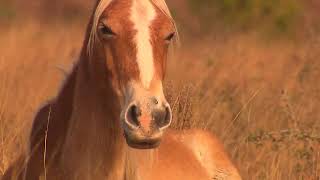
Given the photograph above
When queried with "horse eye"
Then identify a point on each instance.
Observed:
(170, 37)
(106, 31)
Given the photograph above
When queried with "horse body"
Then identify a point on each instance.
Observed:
(80, 134)
(185, 155)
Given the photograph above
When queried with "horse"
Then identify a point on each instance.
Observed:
(110, 120)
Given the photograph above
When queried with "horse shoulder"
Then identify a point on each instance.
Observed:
(210, 152)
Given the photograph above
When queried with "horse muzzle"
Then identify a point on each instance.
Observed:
(145, 122)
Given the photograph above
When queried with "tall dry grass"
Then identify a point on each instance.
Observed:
(261, 98)
(32, 57)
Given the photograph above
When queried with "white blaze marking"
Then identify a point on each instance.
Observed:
(142, 15)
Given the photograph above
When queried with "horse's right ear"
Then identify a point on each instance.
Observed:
(96, 2)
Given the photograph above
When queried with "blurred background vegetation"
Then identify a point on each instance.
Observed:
(275, 15)
(271, 17)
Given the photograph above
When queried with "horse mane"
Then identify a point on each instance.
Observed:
(103, 4)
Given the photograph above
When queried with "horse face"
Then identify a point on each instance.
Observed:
(135, 35)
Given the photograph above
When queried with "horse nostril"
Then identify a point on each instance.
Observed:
(162, 118)
(133, 115)
(168, 114)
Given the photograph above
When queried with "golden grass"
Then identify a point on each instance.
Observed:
(260, 98)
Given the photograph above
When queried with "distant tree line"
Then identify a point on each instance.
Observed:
(279, 15)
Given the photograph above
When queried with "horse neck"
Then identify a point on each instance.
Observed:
(95, 132)
(94, 144)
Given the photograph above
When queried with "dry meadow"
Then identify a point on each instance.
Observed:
(261, 97)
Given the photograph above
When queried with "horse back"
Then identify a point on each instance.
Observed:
(208, 151)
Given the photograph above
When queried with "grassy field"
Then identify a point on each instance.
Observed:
(260, 97)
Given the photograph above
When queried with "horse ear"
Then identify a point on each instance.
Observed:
(96, 2)
(162, 5)
(99, 8)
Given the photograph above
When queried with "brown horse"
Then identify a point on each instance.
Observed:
(110, 116)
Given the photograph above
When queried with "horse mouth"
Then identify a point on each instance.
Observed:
(142, 143)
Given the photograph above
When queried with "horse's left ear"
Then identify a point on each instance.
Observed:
(162, 5)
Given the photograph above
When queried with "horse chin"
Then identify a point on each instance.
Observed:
(142, 143)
